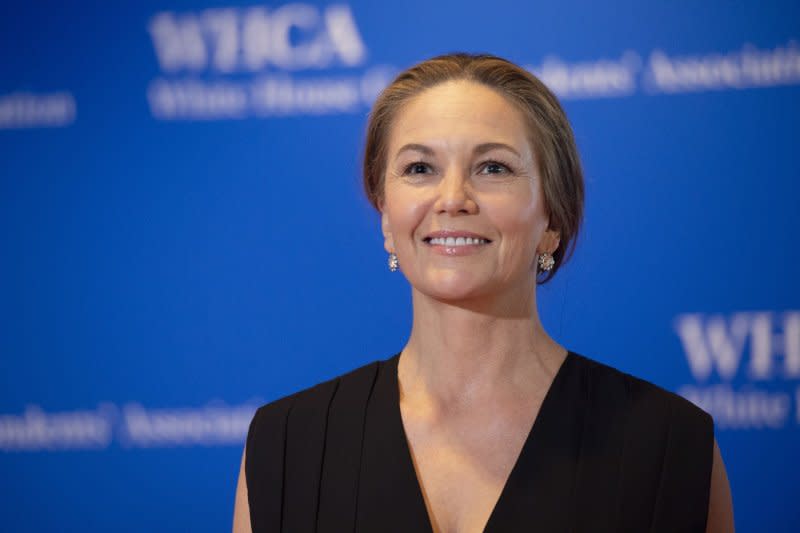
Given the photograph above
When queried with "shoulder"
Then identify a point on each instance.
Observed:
(651, 425)
(312, 402)
(290, 437)
(662, 444)
(641, 398)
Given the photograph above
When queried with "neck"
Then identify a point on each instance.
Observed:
(467, 351)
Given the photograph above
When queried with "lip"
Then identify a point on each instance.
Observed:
(444, 233)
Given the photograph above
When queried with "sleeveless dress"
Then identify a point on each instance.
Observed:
(607, 452)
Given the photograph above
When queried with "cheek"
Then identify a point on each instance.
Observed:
(405, 209)
(518, 217)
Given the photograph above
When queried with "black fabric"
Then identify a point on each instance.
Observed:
(607, 452)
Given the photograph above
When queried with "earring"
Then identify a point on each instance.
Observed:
(393, 262)
(546, 261)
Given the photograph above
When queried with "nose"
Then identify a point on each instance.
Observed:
(455, 195)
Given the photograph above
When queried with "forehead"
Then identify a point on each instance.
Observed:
(459, 112)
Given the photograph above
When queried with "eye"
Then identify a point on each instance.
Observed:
(494, 167)
(418, 167)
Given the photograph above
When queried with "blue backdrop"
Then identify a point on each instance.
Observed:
(184, 237)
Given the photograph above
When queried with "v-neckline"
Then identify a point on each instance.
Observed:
(525, 451)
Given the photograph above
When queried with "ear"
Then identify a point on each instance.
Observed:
(549, 242)
(388, 240)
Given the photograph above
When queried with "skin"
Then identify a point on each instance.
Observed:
(478, 362)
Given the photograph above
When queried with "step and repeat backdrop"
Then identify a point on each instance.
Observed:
(183, 235)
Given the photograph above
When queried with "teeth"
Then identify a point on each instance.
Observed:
(458, 241)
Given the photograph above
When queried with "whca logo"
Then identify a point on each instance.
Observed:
(291, 37)
(745, 365)
(235, 63)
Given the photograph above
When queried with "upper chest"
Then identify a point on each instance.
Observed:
(463, 460)
(601, 456)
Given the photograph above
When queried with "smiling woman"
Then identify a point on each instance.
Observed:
(460, 165)
(531, 109)
(482, 422)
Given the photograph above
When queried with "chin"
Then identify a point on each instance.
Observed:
(455, 286)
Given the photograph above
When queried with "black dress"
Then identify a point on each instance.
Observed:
(607, 452)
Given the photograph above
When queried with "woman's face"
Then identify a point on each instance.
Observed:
(463, 207)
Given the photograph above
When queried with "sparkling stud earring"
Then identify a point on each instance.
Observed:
(392, 262)
(546, 261)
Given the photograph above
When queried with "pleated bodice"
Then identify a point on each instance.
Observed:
(607, 452)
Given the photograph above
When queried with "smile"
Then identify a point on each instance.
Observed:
(456, 241)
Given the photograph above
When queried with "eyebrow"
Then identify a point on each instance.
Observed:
(480, 149)
(487, 147)
(414, 147)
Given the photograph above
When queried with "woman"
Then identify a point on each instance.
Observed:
(483, 421)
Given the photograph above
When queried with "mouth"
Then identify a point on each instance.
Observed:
(453, 239)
